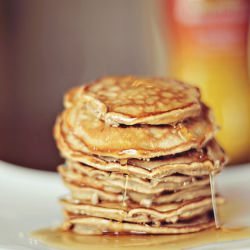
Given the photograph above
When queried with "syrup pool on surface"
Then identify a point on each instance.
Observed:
(69, 241)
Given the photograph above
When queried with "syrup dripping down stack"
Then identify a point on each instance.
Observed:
(138, 156)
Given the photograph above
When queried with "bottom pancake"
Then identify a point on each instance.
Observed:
(96, 226)
(133, 212)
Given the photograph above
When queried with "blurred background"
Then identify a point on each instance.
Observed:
(48, 46)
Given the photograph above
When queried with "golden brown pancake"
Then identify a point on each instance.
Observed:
(118, 182)
(85, 133)
(133, 212)
(78, 171)
(94, 226)
(93, 195)
(133, 100)
(210, 159)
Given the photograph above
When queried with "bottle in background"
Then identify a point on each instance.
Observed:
(207, 42)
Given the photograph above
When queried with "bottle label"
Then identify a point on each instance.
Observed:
(219, 24)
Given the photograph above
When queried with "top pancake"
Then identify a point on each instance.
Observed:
(131, 100)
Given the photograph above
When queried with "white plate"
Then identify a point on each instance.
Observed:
(28, 201)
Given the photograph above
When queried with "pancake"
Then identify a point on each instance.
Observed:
(86, 134)
(142, 100)
(94, 226)
(118, 182)
(77, 171)
(133, 212)
(94, 195)
(210, 159)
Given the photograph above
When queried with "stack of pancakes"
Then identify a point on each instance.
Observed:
(139, 153)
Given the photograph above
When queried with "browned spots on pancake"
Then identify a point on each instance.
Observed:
(142, 96)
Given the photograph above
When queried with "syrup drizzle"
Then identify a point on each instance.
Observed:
(214, 205)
